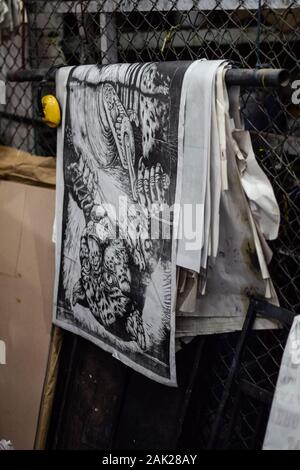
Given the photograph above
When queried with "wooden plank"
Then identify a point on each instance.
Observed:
(138, 40)
(90, 406)
(153, 414)
(108, 39)
(110, 6)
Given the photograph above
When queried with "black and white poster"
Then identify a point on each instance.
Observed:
(117, 184)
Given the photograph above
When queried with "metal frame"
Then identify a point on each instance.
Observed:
(267, 310)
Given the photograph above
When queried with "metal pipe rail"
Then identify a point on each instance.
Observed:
(261, 78)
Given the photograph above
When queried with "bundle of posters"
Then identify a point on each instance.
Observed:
(240, 214)
(161, 209)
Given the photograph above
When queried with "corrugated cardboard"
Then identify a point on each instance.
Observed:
(26, 283)
(19, 165)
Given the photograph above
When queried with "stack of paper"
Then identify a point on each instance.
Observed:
(228, 211)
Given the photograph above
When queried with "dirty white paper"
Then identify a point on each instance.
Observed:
(283, 430)
(240, 269)
(193, 243)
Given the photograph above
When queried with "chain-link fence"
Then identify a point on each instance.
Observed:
(107, 31)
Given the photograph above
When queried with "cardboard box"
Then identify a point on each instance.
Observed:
(26, 287)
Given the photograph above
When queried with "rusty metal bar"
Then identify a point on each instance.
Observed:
(22, 119)
(274, 78)
(25, 75)
(264, 78)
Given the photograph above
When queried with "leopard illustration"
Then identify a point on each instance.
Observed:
(115, 271)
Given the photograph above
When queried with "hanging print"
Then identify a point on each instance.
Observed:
(117, 186)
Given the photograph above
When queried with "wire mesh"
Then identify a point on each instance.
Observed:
(108, 31)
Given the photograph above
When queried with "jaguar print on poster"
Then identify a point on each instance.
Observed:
(117, 184)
